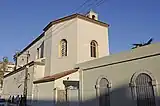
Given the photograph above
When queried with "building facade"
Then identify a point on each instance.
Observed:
(126, 79)
(69, 64)
(5, 68)
(70, 40)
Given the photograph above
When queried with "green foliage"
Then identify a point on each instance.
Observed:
(5, 59)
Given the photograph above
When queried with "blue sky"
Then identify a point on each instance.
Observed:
(131, 21)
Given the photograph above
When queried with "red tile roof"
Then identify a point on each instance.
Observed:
(55, 76)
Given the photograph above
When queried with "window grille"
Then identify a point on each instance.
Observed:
(94, 48)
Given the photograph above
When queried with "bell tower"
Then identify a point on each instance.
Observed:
(93, 15)
(92, 38)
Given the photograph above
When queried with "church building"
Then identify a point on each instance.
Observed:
(69, 65)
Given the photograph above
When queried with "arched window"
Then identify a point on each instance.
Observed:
(63, 47)
(103, 91)
(94, 48)
(143, 87)
(93, 17)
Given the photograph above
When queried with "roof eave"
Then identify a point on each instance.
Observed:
(74, 16)
(32, 43)
(55, 76)
(59, 20)
(62, 20)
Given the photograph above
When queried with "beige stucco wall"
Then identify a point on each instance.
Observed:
(119, 74)
(47, 38)
(47, 51)
(78, 34)
(65, 30)
(87, 32)
(72, 77)
(11, 83)
(38, 72)
(14, 84)
(43, 94)
(22, 59)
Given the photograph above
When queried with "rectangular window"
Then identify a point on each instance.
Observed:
(37, 53)
(40, 51)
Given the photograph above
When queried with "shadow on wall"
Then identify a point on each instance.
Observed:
(122, 96)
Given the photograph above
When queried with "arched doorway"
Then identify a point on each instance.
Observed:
(103, 90)
(144, 90)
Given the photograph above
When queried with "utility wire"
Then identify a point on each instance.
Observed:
(89, 5)
(96, 3)
(78, 8)
(82, 5)
(86, 1)
(101, 2)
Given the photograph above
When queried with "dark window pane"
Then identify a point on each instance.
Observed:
(93, 47)
(42, 50)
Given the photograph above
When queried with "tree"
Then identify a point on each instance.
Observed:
(5, 59)
(3, 69)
